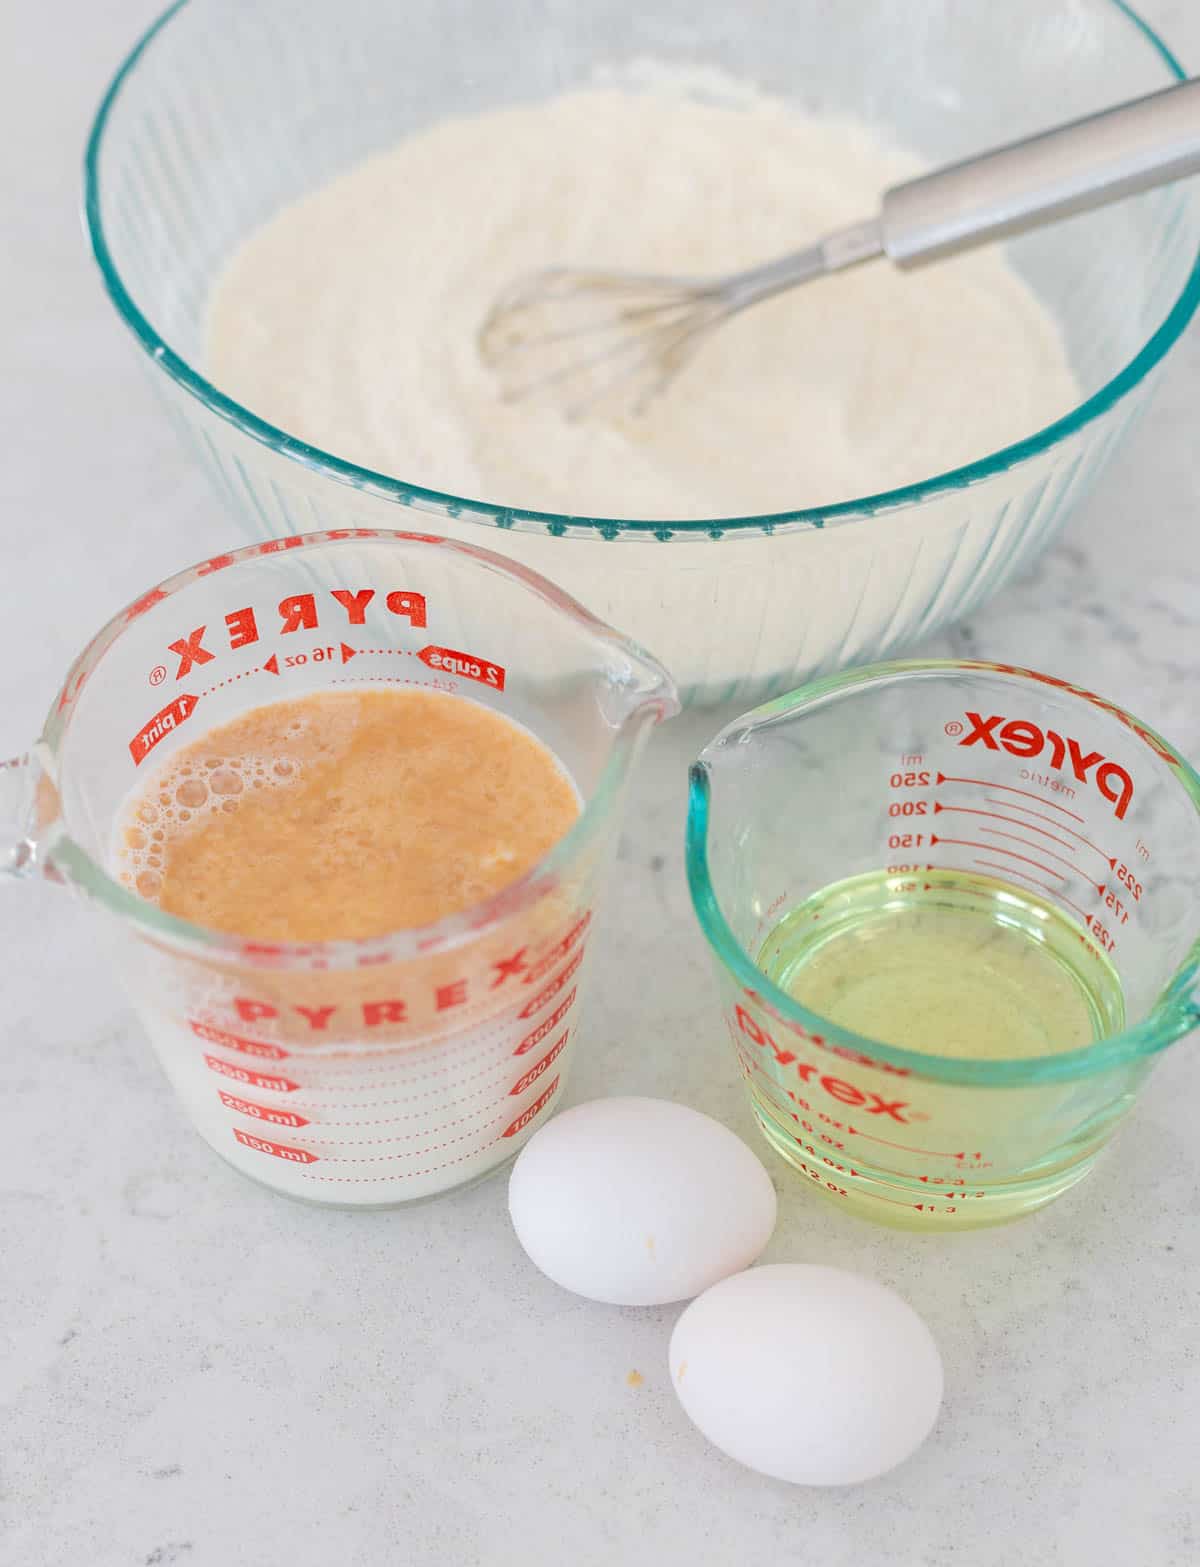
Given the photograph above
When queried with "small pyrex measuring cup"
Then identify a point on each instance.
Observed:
(359, 1073)
(936, 785)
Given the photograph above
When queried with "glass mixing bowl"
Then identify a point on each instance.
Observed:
(225, 111)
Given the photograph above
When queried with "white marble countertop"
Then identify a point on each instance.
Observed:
(196, 1372)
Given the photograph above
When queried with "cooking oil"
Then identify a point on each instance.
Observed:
(948, 963)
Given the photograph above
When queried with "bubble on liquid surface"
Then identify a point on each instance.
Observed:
(184, 793)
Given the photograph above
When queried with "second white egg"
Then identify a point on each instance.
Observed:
(808, 1374)
(639, 1202)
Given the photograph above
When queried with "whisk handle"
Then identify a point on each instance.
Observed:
(1088, 163)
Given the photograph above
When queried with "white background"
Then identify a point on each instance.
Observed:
(194, 1371)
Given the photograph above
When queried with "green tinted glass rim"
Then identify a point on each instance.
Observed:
(1176, 1013)
(665, 530)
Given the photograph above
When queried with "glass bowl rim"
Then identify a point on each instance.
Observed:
(556, 524)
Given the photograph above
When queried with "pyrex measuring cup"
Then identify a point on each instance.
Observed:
(361, 1073)
(955, 781)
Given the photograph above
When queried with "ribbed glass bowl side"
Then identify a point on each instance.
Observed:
(227, 111)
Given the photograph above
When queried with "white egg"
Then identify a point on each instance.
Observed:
(807, 1374)
(638, 1202)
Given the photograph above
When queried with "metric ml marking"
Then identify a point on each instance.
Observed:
(278, 1150)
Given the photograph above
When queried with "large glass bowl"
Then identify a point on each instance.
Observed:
(226, 110)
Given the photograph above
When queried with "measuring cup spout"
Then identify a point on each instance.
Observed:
(28, 804)
(648, 693)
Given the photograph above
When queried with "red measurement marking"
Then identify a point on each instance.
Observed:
(348, 653)
(1014, 821)
(526, 1116)
(754, 1068)
(276, 1150)
(535, 1071)
(161, 725)
(560, 949)
(69, 692)
(243, 1074)
(547, 1026)
(933, 1153)
(536, 1003)
(466, 665)
(148, 601)
(1034, 882)
(992, 848)
(247, 1047)
(827, 1185)
(1062, 827)
(271, 667)
(995, 832)
(273, 546)
(262, 1112)
(990, 783)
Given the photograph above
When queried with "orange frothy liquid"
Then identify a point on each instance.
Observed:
(345, 815)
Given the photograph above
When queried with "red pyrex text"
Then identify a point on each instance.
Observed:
(1023, 739)
(836, 1087)
(396, 1009)
(296, 612)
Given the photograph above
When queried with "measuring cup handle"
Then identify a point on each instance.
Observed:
(22, 804)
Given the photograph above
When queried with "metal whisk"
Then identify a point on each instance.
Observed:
(588, 337)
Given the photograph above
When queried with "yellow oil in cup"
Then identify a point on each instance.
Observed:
(951, 964)
(954, 912)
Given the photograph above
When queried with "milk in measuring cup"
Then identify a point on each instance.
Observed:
(345, 816)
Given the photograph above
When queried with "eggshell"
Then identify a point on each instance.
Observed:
(638, 1202)
(807, 1373)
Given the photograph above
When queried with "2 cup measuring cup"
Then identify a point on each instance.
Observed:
(356, 1073)
(940, 785)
